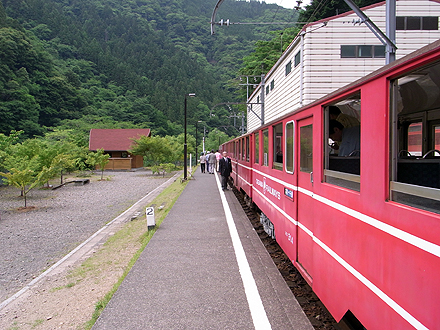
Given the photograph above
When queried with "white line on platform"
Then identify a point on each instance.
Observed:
(258, 313)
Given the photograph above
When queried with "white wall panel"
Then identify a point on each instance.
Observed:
(324, 71)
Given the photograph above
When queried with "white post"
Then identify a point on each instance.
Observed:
(190, 163)
(151, 222)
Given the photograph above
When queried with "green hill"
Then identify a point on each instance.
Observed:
(122, 63)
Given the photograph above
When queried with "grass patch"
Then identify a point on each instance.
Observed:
(134, 233)
(37, 323)
(14, 326)
(68, 286)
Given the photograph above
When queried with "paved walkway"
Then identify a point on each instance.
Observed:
(205, 268)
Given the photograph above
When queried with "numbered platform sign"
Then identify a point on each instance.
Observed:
(151, 222)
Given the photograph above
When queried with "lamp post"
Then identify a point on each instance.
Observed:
(185, 146)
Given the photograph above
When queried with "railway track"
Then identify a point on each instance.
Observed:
(318, 315)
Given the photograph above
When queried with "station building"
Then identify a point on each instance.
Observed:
(336, 51)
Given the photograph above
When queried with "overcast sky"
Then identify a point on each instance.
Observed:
(288, 3)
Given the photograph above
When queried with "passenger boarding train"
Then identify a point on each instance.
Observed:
(363, 229)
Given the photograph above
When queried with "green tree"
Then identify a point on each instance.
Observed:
(24, 178)
(23, 168)
(155, 149)
(98, 159)
(268, 52)
(5, 145)
(215, 138)
(56, 157)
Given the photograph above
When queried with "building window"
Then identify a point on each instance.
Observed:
(416, 23)
(267, 89)
(272, 84)
(362, 51)
(297, 59)
(277, 132)
(258, 99)
(290, 145)
(342, 145)
(257, 148)
(266, 147)
(288, 67)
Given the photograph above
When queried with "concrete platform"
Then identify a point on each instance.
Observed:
(205, 268)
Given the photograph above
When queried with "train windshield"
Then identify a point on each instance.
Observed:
(415, 143)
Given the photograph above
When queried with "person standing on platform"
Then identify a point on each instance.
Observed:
(225, 169)
(202, 163)
(212, 161)
(218, 156)
(207, 161)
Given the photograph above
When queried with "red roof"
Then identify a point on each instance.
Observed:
(115, 139)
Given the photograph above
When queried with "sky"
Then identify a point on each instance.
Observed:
(288, 3)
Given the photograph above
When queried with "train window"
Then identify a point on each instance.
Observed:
(342, 142)
(257, 148)
(236, 150)
(266, 147)
(290, 143)
(415, 139)
(306, 148)
(247, 148)
(277, 132)
(243, 149)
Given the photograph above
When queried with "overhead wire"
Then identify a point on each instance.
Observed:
(321, 3)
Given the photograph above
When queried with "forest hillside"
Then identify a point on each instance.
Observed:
(77, 64)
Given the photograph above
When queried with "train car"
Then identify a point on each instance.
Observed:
(240, 154)
(357, 209)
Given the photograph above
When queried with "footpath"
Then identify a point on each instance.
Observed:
(204, 268)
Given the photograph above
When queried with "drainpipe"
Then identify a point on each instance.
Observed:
(301, 74)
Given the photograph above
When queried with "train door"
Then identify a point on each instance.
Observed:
(305, 200)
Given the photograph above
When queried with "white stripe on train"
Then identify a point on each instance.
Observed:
(398, 233)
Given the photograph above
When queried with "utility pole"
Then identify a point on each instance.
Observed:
(391, 30)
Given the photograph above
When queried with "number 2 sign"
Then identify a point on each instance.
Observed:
(151, 222)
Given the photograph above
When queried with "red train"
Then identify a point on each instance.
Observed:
(362, 228)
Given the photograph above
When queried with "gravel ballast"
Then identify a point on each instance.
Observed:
(56, 221)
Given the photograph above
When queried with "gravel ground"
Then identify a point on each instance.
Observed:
(56, 221)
